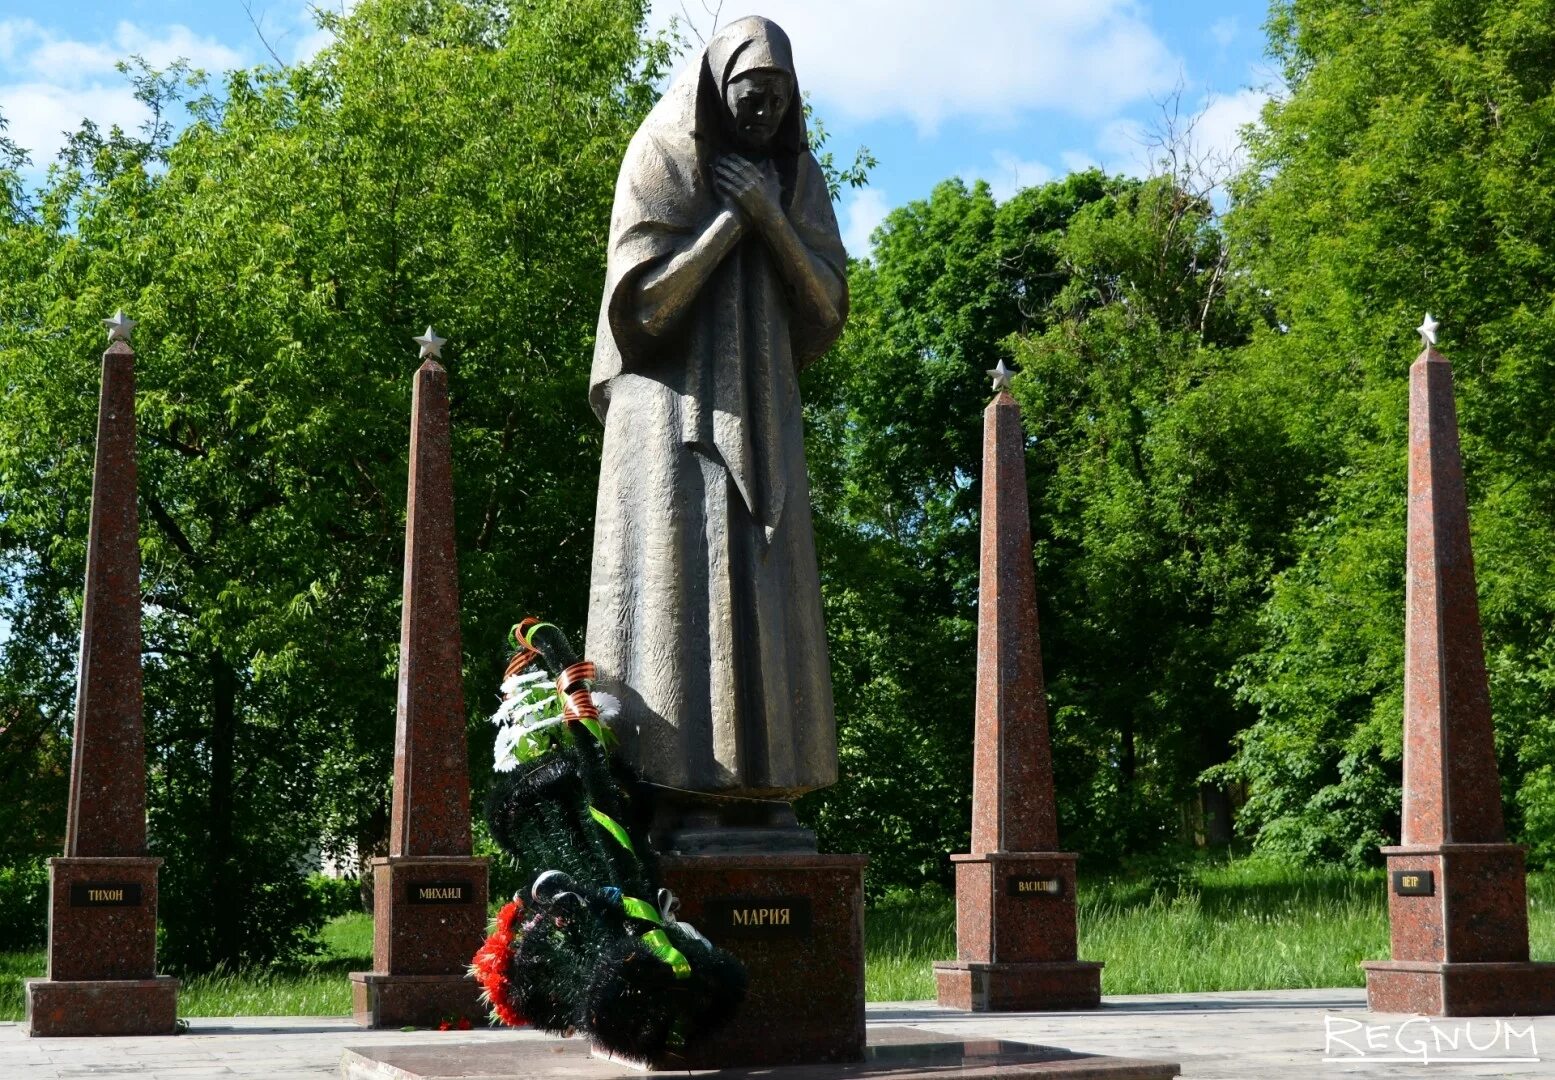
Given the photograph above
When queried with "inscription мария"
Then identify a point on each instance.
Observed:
(758, 916)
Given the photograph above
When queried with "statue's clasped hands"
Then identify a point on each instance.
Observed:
(750, 188)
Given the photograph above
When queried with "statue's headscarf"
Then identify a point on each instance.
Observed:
(746, 45)
(665, 194)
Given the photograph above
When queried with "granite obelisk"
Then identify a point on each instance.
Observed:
(429, 894)
(1457, 891)
(102, 956)
(1016, 929)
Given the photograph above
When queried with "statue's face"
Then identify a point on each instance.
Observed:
(758, 101)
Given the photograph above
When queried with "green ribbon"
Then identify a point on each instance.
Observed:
(529, 638)
(613, 827)
(641, 909)
(657, 940)
(658, 943)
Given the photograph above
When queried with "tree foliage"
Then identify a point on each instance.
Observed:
(1406, 170)
(447, 162)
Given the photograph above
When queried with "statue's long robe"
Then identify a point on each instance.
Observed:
(705, 603)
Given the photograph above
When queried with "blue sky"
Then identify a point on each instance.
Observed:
(1011, 91)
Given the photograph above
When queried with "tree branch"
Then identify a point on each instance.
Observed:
(166, 523)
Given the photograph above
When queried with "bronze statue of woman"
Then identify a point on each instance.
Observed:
(726, 277)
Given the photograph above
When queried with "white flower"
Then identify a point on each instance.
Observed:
(524, 678)
(609, 705)
(507, 740)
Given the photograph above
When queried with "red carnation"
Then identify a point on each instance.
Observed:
(491, 963)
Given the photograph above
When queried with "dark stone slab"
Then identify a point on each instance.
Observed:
(423, 942)
(806, 999)
(895, 1052)
(107, 808)
(1016, 921)
(1460, 946)
(102, 1007)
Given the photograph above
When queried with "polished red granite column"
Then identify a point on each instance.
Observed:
(1457, 901)
(102, 957)
(429, 895)
(1016, 930)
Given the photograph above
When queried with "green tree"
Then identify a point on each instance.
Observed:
(1405, 170)
(447, 161)
(1162, 500)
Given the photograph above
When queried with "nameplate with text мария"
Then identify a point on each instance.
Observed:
(440, 892)
(757, 916)
(1414, 883)
(94, 894)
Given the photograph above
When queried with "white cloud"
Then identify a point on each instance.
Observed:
(1078, 161)
(40, 115)
(1124, 146)
(1223, 31)
(162, 47)
(1209, 140)
(60, 81)
(1010, 174)
(1218, 132)
(865, 210)
(314, 39)
(992, 60)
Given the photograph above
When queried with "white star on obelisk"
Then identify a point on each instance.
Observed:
(431, 344)
(1001, 376)
(1427, 330)
(119, 327)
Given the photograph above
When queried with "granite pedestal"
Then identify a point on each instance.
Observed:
(426, 911)
(1459, 919)
(1016, 936)
(796, 921)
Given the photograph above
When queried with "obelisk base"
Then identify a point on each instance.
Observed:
(1017, 936)
(1488, 989)
(399, 1001)
(1037, 987)
(1458, 919)
(796, 921)
(102, 1007)
(429, 918)
(102, 957)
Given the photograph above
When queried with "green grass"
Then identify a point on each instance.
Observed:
(1244, 925)
(317, 987)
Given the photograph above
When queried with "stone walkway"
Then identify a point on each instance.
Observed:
(1253, 1035)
